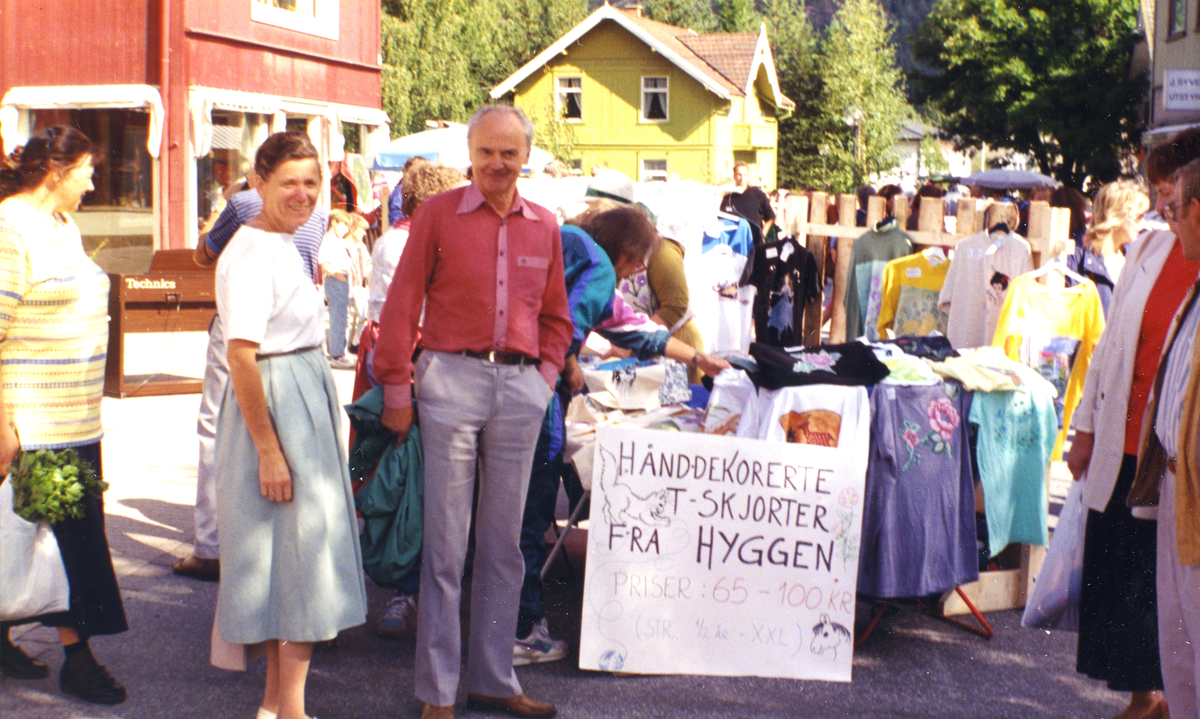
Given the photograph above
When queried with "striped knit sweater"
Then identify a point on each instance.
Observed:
(53, 329)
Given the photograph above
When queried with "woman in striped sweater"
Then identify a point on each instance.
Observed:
(53, 342)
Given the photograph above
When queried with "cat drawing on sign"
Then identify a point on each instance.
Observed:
(828, 635)
(622, 505)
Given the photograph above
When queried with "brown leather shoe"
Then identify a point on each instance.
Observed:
(206, 570)
(429, 711)
(520, 706)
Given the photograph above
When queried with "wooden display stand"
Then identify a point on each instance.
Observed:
(176, 295)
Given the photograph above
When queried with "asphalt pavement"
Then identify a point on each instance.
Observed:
(912, 666)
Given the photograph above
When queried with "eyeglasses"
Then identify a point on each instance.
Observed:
(1171, 211)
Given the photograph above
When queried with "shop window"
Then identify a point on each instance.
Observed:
(312, 17)
(236, 137)
(654, 99)
(353, 132)
(570, 98)
(654, 171)
(117, 218)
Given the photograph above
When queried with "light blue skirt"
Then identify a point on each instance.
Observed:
(289, 570)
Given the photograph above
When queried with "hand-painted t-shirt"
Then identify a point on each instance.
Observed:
(1052, 331)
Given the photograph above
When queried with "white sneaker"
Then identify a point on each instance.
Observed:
(538, 647)
(400, 617)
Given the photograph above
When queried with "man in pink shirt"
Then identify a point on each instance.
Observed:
(487, 267)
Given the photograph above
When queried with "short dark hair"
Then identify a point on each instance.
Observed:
(52, 149)
(622, 232)
(1188, 177)
(738, 164)
(1165, 159)
(281, 147)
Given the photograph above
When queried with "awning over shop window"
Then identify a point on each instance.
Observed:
(203, 100)
(79, 97)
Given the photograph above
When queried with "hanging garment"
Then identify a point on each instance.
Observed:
(723, 306)
(918, 531)
(909, 295)
(872, 251)
(1016, 432)
(820, 415)
(977, 283)
(852, 363)
(785, 281)
(904, 368)
(1054, 332)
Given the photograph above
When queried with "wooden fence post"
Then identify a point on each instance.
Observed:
(817, 215)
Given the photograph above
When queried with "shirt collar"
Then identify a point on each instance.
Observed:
(473, 199)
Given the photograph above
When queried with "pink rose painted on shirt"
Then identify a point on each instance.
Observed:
(943, 418)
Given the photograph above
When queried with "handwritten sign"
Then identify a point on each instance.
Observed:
(722, 556)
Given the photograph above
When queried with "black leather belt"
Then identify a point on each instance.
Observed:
(495, 357)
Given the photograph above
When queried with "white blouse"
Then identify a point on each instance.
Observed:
(264, 294)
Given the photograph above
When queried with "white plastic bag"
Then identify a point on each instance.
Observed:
(1054, 601)
(32, 578)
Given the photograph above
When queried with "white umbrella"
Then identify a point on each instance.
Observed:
(1010, 180)
(447, 145)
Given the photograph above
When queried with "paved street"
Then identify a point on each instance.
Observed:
(913, 666)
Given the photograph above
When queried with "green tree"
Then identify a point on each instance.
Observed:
(415, 87)
(794, 47)
(737, 16)
(694, 14)
(442, 57)
(1049, 78)
(863, 97)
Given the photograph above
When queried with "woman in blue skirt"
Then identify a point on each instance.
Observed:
(291, 567)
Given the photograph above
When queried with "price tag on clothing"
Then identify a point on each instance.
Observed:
(912, 272)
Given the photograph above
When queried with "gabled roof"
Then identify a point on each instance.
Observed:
(725, 64)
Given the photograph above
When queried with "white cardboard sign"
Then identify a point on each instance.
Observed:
(722, 556)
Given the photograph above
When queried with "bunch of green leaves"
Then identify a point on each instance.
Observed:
(49, 486)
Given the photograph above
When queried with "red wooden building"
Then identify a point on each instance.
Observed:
(179, 94)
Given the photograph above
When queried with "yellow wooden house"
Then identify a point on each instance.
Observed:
(652, 100)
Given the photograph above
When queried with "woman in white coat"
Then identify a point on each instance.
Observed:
(1118, 632)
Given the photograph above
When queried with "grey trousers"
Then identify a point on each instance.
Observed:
(216, 376)
(473, 409)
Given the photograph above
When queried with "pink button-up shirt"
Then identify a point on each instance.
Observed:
(486, 283)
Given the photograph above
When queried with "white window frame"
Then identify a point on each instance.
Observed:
(323, 23)
(561, 91)
(654, 174)
(664, 89)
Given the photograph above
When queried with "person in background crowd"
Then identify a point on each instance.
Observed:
(1118, 629)
(422, 182)
(396, 199)
(927, 190)
(602, 245)
(749, 202)
(487, 267)
(54, 333)
(360, 269)
(864, 195)
(204, 563)
(1073, 200)
(284, 583)
(659, 287)
(888, 193)
(1116, 214)
(336, 269)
